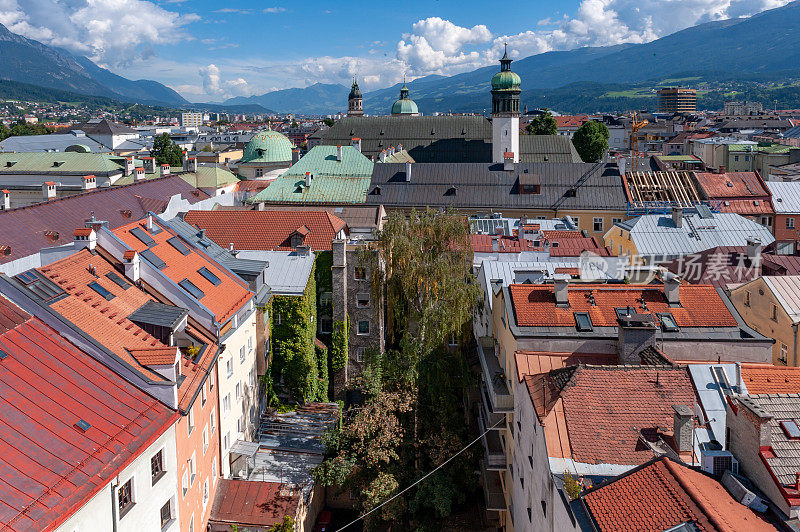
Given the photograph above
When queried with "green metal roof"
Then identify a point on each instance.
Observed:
(214, 176)
(323, 189)
(741, 147)
(405, 106)
(775, 149)
(321, 161)
(506, 80)
(691, 158)
(268, 147)
(59, 162)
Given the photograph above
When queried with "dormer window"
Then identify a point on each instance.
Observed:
(297, 241)
(583, 322)
(668, 323)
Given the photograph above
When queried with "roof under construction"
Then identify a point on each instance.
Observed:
(674, 188)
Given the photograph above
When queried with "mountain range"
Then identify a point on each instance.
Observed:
(763, 46)
(27, 61)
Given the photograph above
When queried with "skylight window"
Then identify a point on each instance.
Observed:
(27, 277)
(153, 259)
(791, 429)
(83, 425)
(205, 243)
(583, 322)
(178, 244)
(102, 291)
(143, 237)
(119, 281)
(190, 287)
(668, 322)
(209, 276)
(3, 355)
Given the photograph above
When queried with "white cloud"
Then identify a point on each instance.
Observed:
(112, 32)
(211, 78)
(275, 9)
(436, 45)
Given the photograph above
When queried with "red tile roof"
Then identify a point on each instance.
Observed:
(607, 408)
(766, 379)
(746, 207)
(732, 185)
(664, 494)
(267, 230)
(535, 305)
(107, 320)
(223, 299)
(23, 229)
(568, 244)
(253, 503)
(571, 121)
(49, 466)
(155, 356)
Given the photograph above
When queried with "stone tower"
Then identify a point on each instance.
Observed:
(355, 102)
(505, 111)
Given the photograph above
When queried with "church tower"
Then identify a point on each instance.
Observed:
(505, 111)
(355, 102)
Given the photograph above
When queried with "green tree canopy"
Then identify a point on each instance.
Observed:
(544, 124)
(591, 141)
(328, 122)
(166, 152)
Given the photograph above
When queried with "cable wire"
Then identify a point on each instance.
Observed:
(390, 499)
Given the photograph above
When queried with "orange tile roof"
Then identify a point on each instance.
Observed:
(607, 408)
(267, 230)
(732, 185)
(664, 494)
(156, 356)
(571, 121)
(746, 207)
(561, 234)
(535, 305)
(765, 378)
(571, 244)
(224, 299)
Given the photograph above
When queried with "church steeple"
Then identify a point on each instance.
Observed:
(355, 102)
(505, 111)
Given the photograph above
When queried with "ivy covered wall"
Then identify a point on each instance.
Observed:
(295, 358)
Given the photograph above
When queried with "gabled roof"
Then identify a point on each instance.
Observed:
(780, 453)
(54, 141)
(785, 196)
(535, 305)
(766, 379)
(23, 229)
(786, 289)
(105, 127)
(224, 294)
(663, 494)
(560, 244)
(321, 161)
(47, 383)
(605, 410)
(266, 230)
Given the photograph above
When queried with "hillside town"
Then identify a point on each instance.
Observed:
(521, 320)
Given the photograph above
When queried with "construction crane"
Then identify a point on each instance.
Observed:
(636, 125)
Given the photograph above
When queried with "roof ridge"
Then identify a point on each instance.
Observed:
(717, 520)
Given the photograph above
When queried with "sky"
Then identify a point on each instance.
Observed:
(209, 50)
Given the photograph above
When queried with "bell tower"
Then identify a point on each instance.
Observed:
(505, 111)
(355, 102)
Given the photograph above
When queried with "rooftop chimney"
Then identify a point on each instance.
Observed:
(191, 164)
(672, 285)
(682, 427)
(85, 237)
(561, 289)
(308, 179)
(753, 249)
(165, 170)
(408, 171)
(339, 153)
(6, 200)
(149, 165)
(48, 190)
(356, 143)
(677, 216)
(303, 251)
(295, 156)
(138, 174)
(129, 166)
(130, 260)
(508, 161)
(89, 182)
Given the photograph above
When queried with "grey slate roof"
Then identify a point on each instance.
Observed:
(786, 462)
(154, 313)
(487, 185)
(55, 142)
(441, 139)
(285, 273)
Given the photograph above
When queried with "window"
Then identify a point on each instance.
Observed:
(205, 440)
(736, 158)
(192, 471)
(241, 355)
(226, 403)
(178, 244)
(190, 287)
(530, 515)
(125, 498)
(522, 481)
(583, 322)
(597, 225)
(747, 298)
(209, 276)
(325, 298)
(616, 221)
(185, 482)
(239, 425)
(530, 460)
(325, 325)
(668, 322)
(360, 352)
(452, 340)
(211, 423)
(210, 381)
(252, 375)
(205, 492)
(190, 420)
(774, 312)
(238, 391)
(229, 368)
(203, 396)
(226, 441)
(789, 223)
(784, 356)
(105, 294)
(746, 158)
(790, 428)
(544, 508)
(249, 344)
(363, 327)
(362, 300)
(577, 222)
(360, 273)
(259, 172)
(214, 470)
(166, 514)
(157, 466)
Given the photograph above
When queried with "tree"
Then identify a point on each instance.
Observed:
(544, 124)
(286, 525)
(412, 419)
(591, 141)
(328, 122)
(166, 152)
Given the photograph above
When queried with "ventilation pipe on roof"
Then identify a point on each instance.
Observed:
(561, 289)
(6, 200)
(303, 251)
(753, 249)
(84, 237)
(149, 222)
(295, 156)
(408, 171)
(495, 243)
(338, 153)
(185, 160)
(508, 161)
(672, 285)
(308, 179)
(677, 216)
(356, 143)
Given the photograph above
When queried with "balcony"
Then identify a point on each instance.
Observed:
(492, 489)
(495, 453)
(494, 377)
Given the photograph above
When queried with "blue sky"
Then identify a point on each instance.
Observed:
(210, 50)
